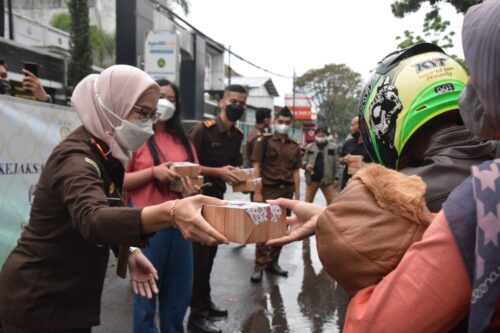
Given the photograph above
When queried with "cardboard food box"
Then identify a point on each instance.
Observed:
(247, 222)
(250, 185)
(176, 185)
(355, 163)
(186, 169)
(245, 174)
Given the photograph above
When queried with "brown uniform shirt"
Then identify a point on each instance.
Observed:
(216, 146)
(278, 160)
(53, 278)
(252, 137)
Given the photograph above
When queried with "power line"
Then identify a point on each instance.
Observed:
(172, 14)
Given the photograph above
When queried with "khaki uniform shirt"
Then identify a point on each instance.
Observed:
(278, 160)
(216, 146)
(252, 137)
(53, 278)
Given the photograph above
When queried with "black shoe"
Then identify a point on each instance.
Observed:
(256, 276)
(215, 311)
(200, 324)
(276, 269)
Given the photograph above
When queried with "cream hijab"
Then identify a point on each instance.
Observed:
(119, 88)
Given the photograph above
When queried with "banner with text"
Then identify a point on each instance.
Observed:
(301, 107)
(29, 130)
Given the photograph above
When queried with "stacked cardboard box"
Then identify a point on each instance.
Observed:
(186, 169)
(249, 182)
(176, 185)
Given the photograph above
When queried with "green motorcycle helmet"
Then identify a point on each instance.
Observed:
(408, 89)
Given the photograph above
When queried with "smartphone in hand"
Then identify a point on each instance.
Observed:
(32, 67)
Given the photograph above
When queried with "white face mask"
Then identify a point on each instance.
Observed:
(282, 128)
(130, 134)
(321, 139)
(166, 109)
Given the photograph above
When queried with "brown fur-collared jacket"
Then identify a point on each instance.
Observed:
(365, 231)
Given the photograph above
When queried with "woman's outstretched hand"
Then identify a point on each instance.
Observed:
(302, 223)
(191, 223)
(143, 275)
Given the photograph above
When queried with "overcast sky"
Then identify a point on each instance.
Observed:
(281, 35)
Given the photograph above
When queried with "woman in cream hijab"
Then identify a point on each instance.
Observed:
(52, 281)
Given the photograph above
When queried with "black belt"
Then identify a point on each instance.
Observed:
(280, 185)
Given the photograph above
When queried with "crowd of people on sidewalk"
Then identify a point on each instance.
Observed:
(410, 231)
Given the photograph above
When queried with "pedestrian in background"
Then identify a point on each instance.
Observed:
(263, 120)
(321, 166)
(352, 147)
(218, 145)
(277, 160)
(146, 182)
(30, 83)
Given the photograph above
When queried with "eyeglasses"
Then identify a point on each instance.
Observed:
(146, 113)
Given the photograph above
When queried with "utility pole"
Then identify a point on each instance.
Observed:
(11, 20)
(2, 19)
(229, 67)
(293, 92)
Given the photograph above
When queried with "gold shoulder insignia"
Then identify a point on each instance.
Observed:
(294, 141)
(238, 130)
(209, 123)
(267, 134)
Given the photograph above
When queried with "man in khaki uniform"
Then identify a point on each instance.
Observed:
(218, 145)
(277, 159)
(262, 122)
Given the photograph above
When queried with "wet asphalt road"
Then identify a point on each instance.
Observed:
(307, 301)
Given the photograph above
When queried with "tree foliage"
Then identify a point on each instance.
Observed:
(61, 21)
(435, 29)
(184, 4)
(80, 62)
(102, 43)
(103, 46)
(335, 91)
(403, 7)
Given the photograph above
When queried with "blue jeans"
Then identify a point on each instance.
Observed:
(172, 256)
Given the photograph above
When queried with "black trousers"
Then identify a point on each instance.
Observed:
(7, 328)
(203, 261)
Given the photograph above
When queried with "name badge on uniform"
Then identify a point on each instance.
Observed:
(216, 144)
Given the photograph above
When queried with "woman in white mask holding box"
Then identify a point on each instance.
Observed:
(147, 182)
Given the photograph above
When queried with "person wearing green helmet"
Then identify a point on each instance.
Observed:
(410, 122)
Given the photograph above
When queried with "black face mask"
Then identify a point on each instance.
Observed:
(5, 87)
(355, 135)
(234, 112)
